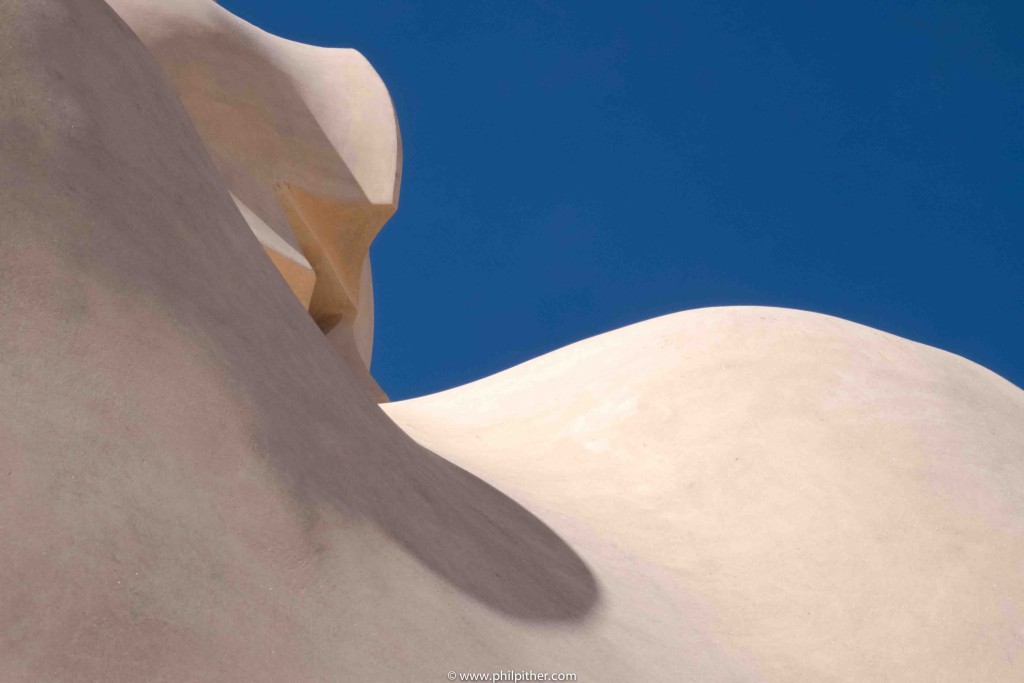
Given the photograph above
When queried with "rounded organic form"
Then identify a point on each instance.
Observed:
(195, 485)
(841, 503)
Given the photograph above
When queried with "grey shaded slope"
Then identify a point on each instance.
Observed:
(193, 486)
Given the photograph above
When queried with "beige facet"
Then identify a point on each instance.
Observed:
(196, 483)
(299, 277)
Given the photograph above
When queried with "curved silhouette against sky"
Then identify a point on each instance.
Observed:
(572, 167)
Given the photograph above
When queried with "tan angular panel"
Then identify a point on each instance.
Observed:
(336, 236)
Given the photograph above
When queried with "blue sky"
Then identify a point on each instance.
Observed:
(573, 167)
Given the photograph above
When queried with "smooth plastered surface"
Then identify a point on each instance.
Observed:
(195, 483)
(844, 503)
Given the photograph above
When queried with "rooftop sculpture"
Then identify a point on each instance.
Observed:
(197, 481)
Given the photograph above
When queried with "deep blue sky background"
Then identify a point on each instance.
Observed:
(572, 167)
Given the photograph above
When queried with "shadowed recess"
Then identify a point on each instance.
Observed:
(135, 210)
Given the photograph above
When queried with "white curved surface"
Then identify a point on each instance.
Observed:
(846, 504)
